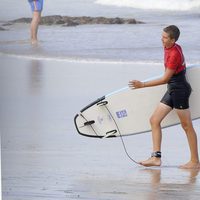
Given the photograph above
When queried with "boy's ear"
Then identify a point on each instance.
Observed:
(173, 40)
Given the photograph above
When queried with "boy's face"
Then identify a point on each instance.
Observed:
(167, 41)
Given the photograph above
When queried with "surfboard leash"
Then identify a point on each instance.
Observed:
(121, 137)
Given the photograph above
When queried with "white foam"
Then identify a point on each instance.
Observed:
(179, 5)
(85, 60)
(78, 60)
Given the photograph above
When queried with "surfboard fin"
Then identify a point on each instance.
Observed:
(102, 103)
(88, 123)
(110, 133)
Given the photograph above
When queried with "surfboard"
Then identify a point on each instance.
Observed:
(127, 111)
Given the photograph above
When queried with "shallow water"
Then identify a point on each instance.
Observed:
(141, 42)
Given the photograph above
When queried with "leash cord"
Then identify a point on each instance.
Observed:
(123, 143)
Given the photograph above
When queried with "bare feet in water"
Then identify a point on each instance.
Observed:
(153, 161)
(34, 42)
(191, 165)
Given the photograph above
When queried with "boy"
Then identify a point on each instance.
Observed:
(176, 97)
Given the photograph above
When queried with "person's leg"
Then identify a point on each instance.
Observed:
(159, 114)
(186, 122)
(34, 26)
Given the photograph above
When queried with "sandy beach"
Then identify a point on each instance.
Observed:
(43, 157)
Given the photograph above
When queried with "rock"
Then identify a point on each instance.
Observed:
(70, 23)
(132, 21)
(21, 20)
(2, 29)
(52, 20)
(7, 24)
(74, 21)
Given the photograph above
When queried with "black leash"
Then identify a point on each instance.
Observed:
(124, 146)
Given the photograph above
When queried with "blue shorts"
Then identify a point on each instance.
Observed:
(36, 5)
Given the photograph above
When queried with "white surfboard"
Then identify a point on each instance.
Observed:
(127, 112)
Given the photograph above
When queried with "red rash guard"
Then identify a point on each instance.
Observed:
(174, 58)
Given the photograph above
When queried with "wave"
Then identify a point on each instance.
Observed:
(179, 5)
(87, 60)
(77, 60)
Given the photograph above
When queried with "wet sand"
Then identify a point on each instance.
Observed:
(43, 157)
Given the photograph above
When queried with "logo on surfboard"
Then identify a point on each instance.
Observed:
(121, 114)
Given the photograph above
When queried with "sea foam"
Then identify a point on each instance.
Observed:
(181, 5)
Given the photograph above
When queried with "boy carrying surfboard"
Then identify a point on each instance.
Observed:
(176, 97)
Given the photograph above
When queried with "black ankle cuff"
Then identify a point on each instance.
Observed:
(156, 154)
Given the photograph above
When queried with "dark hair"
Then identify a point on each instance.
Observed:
(173, 32)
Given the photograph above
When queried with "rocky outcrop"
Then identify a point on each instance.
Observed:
(75, 21)
(2, 29)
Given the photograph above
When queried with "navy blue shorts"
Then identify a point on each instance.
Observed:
(178, 92)
(177, 99)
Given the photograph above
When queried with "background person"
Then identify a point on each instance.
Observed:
(36, 7)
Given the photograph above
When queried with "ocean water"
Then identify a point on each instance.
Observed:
(136, 43)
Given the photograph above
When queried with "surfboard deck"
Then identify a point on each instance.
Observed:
(127, 111)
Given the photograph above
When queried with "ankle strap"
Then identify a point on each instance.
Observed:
(156, 154)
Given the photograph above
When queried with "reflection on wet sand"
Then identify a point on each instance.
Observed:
(193, 175)
(161, 189)
(35, 75)
(147, 184)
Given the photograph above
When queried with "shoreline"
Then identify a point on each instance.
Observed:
(86, 60)
(79, 60)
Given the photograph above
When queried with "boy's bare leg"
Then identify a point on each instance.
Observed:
(159, 114)
(34, 26)
(186, 123)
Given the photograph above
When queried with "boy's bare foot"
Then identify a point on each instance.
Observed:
(34, 42)
(153, 161)
(191, 165)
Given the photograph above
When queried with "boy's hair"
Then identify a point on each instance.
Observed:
(173, 32)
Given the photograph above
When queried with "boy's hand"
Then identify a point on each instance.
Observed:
(135, 84)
